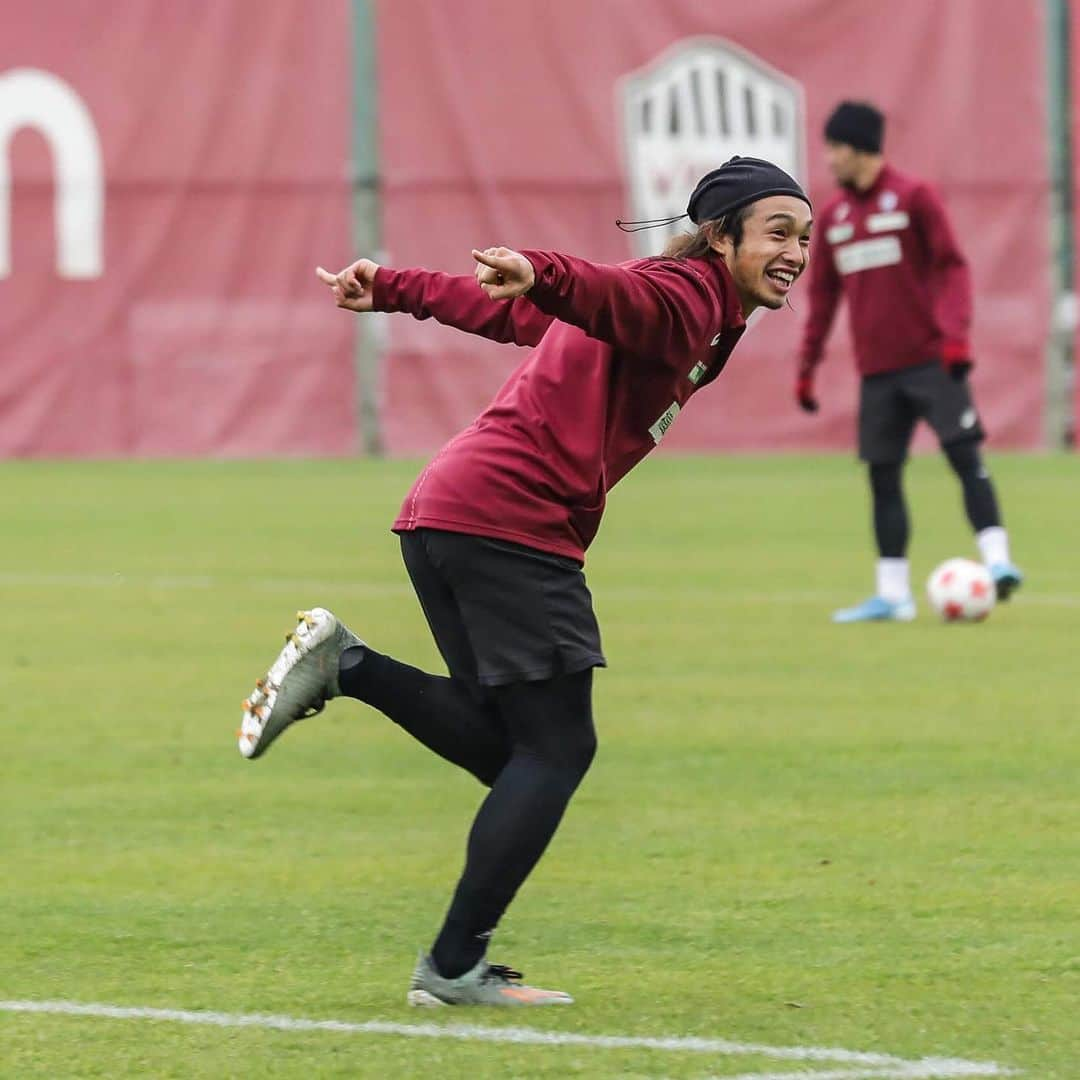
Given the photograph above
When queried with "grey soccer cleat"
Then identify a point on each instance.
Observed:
(300, 682)
(485, 984)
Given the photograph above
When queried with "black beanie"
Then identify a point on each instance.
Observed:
(857, 124)
(739, 181)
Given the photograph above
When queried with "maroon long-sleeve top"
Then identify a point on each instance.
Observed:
(890, 251)
(619, 351)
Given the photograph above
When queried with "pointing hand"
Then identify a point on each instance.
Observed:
(502, 273)
(352, 288)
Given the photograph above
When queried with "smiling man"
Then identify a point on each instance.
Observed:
(494, 531)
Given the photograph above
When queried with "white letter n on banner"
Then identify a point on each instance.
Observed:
(33, 98)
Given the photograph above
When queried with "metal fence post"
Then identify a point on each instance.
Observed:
(367, 212)
(1060, 350)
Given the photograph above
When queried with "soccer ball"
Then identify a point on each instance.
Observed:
(961, 590)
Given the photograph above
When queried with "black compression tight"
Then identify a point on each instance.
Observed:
(980, 501)
(459, 721)
(891, 525)
(553, 743)
(531, 742)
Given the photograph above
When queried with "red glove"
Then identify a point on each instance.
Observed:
(956, 356)
(804, 389)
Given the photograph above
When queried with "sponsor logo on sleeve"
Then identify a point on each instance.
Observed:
(660, 428)
(699, 369)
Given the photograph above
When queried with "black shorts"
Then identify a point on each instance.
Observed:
(501, 612)
(892, 403)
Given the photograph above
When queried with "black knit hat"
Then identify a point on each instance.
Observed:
(857, 124)
(739, 181)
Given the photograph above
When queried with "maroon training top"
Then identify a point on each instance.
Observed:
(620, 349)
(891, 252)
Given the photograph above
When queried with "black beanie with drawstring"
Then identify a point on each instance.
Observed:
(857, 124)
(739, 181)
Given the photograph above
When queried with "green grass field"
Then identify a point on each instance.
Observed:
(795, 834)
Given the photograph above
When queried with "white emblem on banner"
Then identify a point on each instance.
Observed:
(841, 212)
(31, 98)
(688, 111)
(888, 200)
(660, 428)
(867, 254)
(837, 234)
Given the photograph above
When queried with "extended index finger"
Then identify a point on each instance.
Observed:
(496, 262)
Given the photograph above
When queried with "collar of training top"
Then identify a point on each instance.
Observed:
(739, 181)
(885, 177)
(732, 305)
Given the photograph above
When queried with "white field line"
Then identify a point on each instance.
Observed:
(198, 582)
(874, 1065)
(304, 589)
(926, 1069)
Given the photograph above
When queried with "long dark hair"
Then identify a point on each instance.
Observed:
(697, 245)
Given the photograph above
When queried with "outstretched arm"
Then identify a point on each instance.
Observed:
(451, 300)
(660, 308)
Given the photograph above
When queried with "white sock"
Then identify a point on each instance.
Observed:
(993, 544)
(893, 580)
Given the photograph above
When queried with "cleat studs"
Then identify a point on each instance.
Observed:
(246, 705)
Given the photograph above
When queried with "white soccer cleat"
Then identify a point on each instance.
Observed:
(299, 683)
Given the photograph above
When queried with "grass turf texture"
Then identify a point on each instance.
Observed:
(878, 823)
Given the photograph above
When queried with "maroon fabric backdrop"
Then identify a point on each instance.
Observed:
(195, 326)
(173, 311)
(503, 124)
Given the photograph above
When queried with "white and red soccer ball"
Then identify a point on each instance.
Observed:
(961, 590)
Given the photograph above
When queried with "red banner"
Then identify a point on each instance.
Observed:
(176, 173)
(538, 124)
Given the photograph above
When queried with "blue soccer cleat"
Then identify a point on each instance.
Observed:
(877, 609)
(1007, 579)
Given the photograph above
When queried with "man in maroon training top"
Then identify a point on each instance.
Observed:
(884, 242)
(494, 531)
